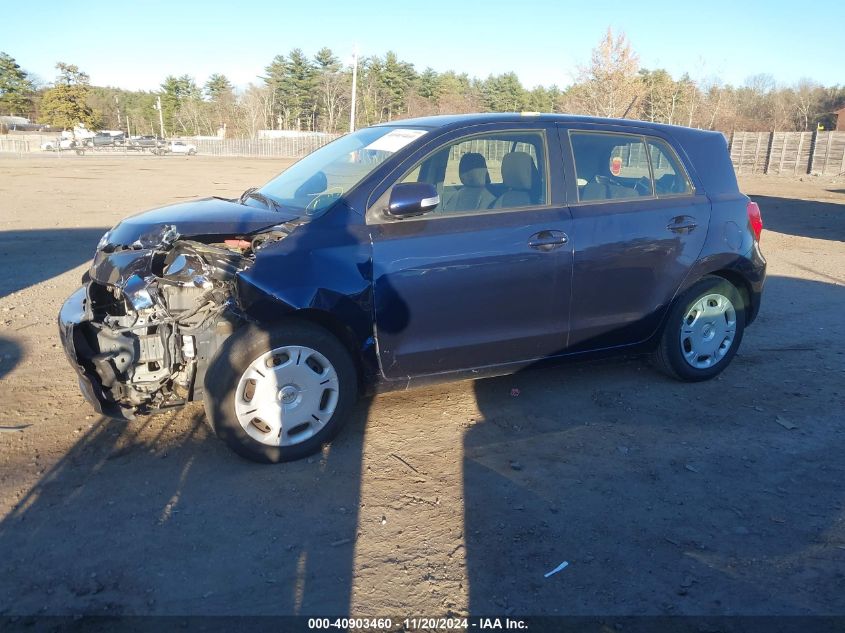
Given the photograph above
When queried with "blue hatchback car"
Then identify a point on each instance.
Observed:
(418, 251)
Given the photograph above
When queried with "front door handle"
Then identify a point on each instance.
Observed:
(547, 240)
(682, 224)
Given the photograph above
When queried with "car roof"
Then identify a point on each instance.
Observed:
(457, 120)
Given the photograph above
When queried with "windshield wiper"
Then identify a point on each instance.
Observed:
(253, 192)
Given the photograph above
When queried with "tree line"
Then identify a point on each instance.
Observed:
(302, 92)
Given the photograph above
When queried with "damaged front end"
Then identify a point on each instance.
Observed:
(150, 316)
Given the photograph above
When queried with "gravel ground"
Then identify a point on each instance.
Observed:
(665, 498)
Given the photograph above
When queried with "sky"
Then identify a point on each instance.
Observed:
(134, 44)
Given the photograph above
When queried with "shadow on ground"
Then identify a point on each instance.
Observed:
(664, 498)
(46, 253)
(667, 498)
(11, 355)
(187, 527)
(820, 220)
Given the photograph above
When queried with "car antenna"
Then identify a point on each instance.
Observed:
(633, 101)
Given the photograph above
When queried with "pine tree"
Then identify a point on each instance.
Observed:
(66, 103)
(331, 89)
(396, 79)
(176, 92)
(221, 93)
(218, 87)
(428, 85)
(326, 60)
(292, 80)
(15, 87)
(503, 93)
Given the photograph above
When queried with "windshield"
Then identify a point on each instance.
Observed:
(314, 183)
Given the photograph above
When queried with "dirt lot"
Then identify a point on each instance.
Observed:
(719, 498)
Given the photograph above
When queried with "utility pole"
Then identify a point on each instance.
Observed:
(160, 115)
(117, 105)
(354, 88)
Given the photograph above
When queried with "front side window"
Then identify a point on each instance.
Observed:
(500, 170)
(610, 166)
(314, 183)
(670, 179)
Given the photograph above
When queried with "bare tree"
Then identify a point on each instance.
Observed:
(807, 94)
(254, 110)
(608, 85)
(194, 116)
(712, 101)
(782, 109)
(333, 96)
(661, 96)
(691, 98)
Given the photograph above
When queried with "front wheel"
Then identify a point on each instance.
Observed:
(703, 331)
(277, 394)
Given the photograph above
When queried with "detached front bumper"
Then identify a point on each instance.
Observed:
(75, 313)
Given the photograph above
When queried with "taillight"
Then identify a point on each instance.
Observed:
(755, 219)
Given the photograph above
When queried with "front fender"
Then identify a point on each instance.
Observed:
(315, 270)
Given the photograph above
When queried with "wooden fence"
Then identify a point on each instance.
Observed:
(15, 146)
(788, 153)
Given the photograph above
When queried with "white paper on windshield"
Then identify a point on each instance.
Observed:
(395, 140)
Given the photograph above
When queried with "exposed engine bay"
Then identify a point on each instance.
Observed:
(153, 315)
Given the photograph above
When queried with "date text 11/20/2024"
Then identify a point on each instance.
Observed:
(416, 624)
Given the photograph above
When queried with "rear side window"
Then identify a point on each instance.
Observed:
(610, 166)
(670, 179)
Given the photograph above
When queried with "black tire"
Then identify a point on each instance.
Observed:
(235, 356)
(668, 356)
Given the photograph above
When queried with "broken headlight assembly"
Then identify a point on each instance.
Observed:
(156, 309)
(158, 316)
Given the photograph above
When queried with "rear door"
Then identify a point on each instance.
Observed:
(638, 225)
(484, 279)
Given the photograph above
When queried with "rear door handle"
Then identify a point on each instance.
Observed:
(682, 224)
(547, 240)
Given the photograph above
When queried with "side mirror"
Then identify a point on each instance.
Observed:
(412, 198)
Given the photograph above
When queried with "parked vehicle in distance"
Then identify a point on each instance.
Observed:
(176, 147)
(420, 251)
(53, 144)
(143, 142)
(104, 139)
(61, 144)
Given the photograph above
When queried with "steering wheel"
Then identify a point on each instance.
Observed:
(643, 186)
(333, 193)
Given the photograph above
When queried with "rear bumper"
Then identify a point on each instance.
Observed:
(755, 274)
(72, 318)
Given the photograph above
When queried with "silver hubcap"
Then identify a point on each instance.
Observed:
(708, 331)
(286, 395)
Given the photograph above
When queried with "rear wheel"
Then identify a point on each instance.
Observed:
(703, 331)
(279, 394)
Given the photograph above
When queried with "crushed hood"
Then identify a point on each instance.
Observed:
(205, 217)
